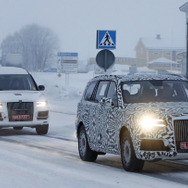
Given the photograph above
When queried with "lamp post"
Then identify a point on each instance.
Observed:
(184, 8)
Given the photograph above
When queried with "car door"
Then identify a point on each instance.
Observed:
(111, 117)
(97, 119)
(86, 111)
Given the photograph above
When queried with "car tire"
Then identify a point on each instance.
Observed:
(128, 157)
(86, 154)
(17, 128)
(42, 129)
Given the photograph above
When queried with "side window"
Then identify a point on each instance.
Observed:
(130, 92)
(132, 88)
(112, 93)
(101, 90)
(89, 91)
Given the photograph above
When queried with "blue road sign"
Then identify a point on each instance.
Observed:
(106, 39)
(74, 54)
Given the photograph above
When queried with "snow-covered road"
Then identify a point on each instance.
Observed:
(29, 160)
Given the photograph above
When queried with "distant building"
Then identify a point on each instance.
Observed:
(164, 64)
(149, 49)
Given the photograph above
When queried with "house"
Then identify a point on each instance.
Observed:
(149, 49)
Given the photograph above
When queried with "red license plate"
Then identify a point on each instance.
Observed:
(20, 117)
(184, 145)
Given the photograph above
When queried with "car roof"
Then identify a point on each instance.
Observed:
(12, 70)
(140, 77)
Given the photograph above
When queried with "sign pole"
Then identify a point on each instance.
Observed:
(105, 61)
(67, 81)
(187, 49)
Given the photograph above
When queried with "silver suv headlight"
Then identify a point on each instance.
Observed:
(42, 104)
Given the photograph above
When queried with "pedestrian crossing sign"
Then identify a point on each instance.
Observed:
(106, 39)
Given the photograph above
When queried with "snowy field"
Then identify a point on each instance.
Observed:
(29, 160)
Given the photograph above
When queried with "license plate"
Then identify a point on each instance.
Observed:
(184, 145)
(20, 117)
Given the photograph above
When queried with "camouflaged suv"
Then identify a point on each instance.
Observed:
(141, 117)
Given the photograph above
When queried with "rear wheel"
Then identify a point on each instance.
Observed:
(42, 129)
(86, 154)
(128, 157)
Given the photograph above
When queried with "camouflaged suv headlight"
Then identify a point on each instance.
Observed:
(149, 122)
(41, 104)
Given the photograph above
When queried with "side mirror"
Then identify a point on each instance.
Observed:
(105, 100)
(114, 102)
(41, 87)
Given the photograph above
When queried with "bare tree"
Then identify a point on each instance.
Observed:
(11, 44)
(36, 44)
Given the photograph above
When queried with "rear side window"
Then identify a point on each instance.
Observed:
(89, 91)
(101, 91)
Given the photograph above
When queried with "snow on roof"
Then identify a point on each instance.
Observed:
(184, 7)
(162, 60)
(139, 77)
(12, 70)
(161, 43)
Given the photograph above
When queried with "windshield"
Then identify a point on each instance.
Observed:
(155, 91)
(17, 82)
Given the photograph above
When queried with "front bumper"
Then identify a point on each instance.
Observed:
(24, 114)
(156, 149)
(163, 143)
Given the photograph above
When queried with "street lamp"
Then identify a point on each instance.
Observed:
(184, 8)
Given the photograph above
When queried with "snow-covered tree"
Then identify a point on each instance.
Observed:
(36, 44)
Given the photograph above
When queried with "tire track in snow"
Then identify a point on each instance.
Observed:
(60, 112)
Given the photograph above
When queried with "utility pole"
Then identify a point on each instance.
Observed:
(184, 8)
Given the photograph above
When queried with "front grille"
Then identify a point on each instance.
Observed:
(181, 134)
(20, 111)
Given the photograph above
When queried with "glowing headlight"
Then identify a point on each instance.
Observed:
(1, 105)
(149, 122)
(41, 104)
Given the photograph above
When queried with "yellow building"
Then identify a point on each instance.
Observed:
(149, 49)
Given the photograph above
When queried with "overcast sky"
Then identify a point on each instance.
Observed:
(76, 21)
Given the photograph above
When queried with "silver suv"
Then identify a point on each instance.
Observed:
(22, 104)
(141, 117)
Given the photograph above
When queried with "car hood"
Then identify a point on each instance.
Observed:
(14, 96)
(167, 109)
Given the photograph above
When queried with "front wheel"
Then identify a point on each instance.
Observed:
(86, 154)
(128, 157)
(42, 129)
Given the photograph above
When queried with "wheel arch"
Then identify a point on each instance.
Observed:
(132, 163)
(78, 128)
(123, 130)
